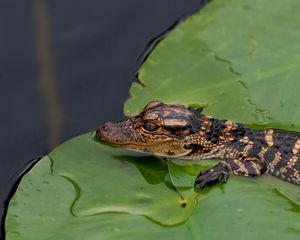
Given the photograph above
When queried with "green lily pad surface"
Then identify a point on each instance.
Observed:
(241, 59)
(238, 59)
(96, 169)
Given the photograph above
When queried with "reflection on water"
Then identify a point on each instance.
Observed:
(47, 80)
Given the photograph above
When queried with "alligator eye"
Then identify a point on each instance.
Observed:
(150, 126)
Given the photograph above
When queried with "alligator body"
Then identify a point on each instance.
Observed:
(177, 131)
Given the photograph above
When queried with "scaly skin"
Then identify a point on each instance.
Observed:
(177, 131)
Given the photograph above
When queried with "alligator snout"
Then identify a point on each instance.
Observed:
(104, 131)
(116, 132)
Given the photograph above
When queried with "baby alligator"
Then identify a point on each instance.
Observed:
(177, 131)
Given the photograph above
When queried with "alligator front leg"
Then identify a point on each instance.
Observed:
(221, 171)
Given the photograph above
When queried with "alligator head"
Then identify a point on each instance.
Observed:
(160, 129)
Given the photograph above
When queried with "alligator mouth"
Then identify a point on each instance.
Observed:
(103, 137)
(146, 149)
(116, 138)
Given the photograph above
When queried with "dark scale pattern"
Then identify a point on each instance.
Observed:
(270, 155)
(213, 134)
(239, 131)
(284, 142)
(257, 136)
(255, 150)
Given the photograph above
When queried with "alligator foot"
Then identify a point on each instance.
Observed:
(218, 173)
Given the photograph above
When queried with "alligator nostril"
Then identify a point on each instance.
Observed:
(101, 132)
(104, 127)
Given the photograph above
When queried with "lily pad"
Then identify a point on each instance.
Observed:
(105, 181)
(238, 59)
(41, 209)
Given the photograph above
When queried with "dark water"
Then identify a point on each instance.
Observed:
(66, 66)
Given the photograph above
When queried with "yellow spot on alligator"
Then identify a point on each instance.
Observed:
(292, 161)
(229, 126)
(175, 122)
(269, 137)
(276, 159)
(296, 147)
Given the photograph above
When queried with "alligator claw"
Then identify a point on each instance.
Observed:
(209, 177)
